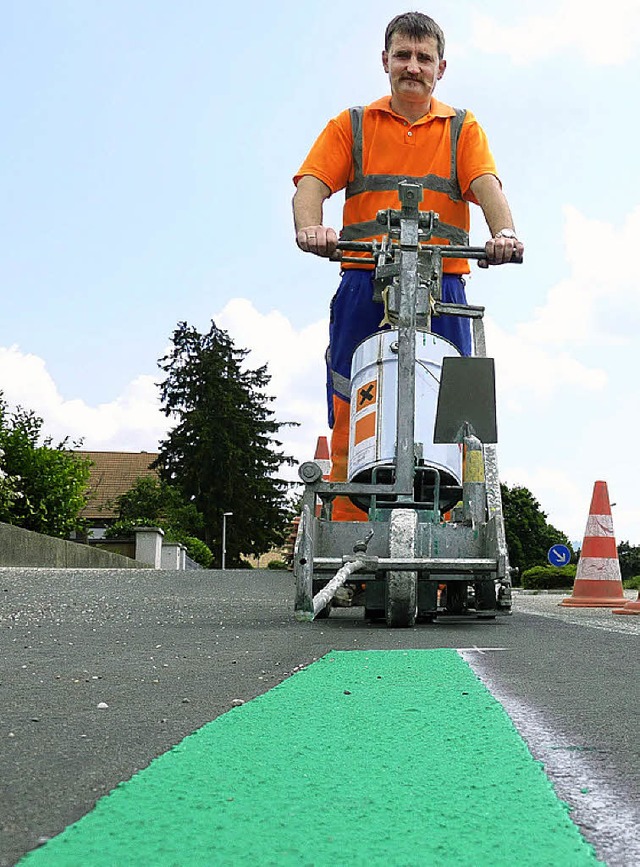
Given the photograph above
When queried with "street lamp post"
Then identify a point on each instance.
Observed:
(225, 515)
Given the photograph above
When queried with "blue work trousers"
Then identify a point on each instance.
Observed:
(354, 316)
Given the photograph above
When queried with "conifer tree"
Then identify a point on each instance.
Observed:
(223, 452)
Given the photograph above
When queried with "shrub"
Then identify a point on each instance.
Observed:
(124, 527)
(632, 583)
(43, 487)
(277, 564)
(197, 550)
(549, 577)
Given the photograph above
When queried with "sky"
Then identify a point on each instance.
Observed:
(146, 160)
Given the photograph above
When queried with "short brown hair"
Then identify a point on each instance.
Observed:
(416, 26)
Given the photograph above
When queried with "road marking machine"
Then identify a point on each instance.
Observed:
(422, 458)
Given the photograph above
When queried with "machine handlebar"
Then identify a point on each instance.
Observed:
(447, 251)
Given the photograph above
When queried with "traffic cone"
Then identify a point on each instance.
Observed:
(322, 458)
(630, 607)
(598, 581)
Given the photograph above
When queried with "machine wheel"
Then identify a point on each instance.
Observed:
(401, 588)
(485, 593)
(456, 600)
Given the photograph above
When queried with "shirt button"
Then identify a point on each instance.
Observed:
(409, 133)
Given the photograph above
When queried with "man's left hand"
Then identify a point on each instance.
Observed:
(501, 250)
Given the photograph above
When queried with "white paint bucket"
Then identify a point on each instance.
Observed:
(374, 385)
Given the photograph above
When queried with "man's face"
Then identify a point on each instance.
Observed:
(413, 67)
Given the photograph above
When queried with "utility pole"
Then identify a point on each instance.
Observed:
(225, 515)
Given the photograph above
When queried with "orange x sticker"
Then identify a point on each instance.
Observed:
(367, 394)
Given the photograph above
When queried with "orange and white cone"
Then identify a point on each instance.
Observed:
(630, 607)
(598, 581)
(322, 458)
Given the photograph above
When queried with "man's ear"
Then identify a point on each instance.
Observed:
(441, 68)
(385, 60)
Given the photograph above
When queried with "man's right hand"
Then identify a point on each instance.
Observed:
(320, 240)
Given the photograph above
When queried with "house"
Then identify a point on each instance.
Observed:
(112, 474)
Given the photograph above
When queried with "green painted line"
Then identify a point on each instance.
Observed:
(367, 757)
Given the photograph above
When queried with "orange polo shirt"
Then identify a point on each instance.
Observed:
(392, 145)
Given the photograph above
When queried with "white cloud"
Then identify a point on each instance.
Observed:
(569, 497)
(296, 363)
(599, 303)
(579, 339)
(526, 371)
(564, 493)
(132, 422)
(607, 37)
(292, 355)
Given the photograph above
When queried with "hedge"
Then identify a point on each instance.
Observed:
(549, 577)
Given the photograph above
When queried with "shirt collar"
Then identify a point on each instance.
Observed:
(438, 109)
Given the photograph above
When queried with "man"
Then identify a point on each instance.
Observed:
(409, 134)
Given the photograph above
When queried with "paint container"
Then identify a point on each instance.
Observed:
(374, 386)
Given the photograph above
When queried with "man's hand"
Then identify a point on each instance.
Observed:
(311, 235)
(321, 240)
(501, 250)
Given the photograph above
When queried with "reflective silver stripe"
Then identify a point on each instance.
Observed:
(382, 183)
(379, 183)
(371, 228)
(340, 384)
(455, 128)
(357, 184)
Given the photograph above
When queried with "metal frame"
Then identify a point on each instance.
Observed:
(399, 550)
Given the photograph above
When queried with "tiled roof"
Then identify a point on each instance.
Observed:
(112, 474)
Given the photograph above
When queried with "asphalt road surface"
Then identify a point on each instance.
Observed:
(167, 652)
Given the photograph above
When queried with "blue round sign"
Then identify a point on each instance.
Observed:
(559, 555)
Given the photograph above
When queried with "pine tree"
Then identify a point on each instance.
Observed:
(222, 452)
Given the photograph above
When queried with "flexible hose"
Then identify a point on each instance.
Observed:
(324, 596)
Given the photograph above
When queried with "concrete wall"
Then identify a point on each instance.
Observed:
(149, 545)
(124, 546)
(174, 556)
(20, 547)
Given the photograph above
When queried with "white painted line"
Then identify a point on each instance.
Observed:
(476, 649)
(607, 819)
